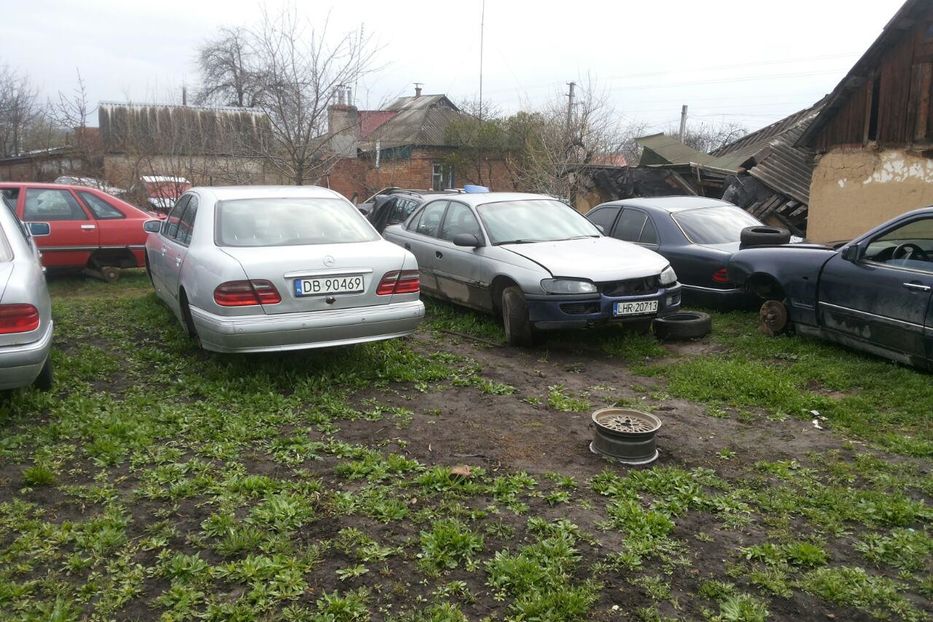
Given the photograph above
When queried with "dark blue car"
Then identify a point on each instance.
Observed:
(697, 235)
(874, 293)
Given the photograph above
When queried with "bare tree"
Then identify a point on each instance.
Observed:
(708, 137)
(19, 111)
(227, 77)
(70, 113)
(291, 72)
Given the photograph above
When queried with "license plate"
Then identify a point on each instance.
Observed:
(325, 285)
(641, 307)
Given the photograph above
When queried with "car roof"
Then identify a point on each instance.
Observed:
(481, 198)
(229, 193)
(672, 204)
(46, 185)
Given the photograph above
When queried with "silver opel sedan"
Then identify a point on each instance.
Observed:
(535, 261)
(270, 268)
(25, 309)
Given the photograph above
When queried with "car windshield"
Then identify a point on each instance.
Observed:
(290, 222)
(5, 253)
(714, 225)
(533, 220)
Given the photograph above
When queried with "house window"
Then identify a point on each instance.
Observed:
(442, 176)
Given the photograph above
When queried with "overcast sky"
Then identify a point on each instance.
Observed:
(750, 62)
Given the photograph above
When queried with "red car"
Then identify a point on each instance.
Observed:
(88, 228)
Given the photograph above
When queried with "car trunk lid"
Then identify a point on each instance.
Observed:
(321, 276)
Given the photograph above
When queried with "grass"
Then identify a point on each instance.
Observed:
(157, 480)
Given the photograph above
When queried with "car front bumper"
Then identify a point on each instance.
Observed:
(298, 331)
(20, 365)
(554, 312)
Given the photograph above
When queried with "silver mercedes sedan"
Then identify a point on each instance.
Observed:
(535, 261)
(270, 268)
(25, 309)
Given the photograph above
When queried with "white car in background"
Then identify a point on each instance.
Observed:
(25, 309)
(269, 268)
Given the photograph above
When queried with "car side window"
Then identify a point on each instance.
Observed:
(630, 225)
(170, 225)
(459, 219)
(649, 234)
(101, 209)
(47, 204)
(10, 196)
(403, 208)
(431, 217)
(186, 222)
(604, 217)
(907, 246)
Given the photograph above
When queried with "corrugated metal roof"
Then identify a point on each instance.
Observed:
(671, 151)
(419, 120)
(786, 168)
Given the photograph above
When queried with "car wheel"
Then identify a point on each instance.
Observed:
(149, 270)
(761, 235)
(772, 318)
(45, 378)
(518, 330)
(110, 273)
(682, 325)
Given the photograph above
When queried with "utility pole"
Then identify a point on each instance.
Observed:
(683, 122)
(570, 97)
(482, 29)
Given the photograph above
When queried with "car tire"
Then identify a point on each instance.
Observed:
(763, 235)
(45, 379)
(518, 330)
(773, 318)
(682, 325)
(149, 270)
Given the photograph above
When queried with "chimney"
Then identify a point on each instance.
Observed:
(340, 101)
(417, 89)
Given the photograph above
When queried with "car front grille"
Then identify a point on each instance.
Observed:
(629, 287)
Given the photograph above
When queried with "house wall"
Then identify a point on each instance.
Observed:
(123, 170)
(855, 189)
(41, 169)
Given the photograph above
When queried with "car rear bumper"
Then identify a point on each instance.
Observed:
(297, 331)
(549, 312)
(20, 365)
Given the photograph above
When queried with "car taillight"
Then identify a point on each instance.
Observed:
(399, 282)
(246, 293)
(20, 318)
(721, 276)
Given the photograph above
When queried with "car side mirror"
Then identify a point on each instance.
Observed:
(467, 239)
(852, 253)
(39, 229)
(152, 226)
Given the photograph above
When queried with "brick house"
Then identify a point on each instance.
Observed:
(404, 144)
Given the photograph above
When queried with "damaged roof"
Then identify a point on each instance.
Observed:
(664, 149)
(420, 120)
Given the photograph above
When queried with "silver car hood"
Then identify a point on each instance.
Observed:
(598, 259)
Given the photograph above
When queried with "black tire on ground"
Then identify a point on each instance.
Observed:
(45, 378)
(518, 330)
(763, 235)
(682, 325)
(773, 318)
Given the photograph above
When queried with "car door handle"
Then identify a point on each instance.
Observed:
(920, 287)
(407, 246)
(178, 261)
(163, 251)
(88, 227)
(439, 254)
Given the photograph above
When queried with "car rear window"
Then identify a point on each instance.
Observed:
(714, 225)
(289, 222)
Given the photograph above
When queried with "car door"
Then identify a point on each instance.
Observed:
(421, 239)
(177, 245)
(73, 235)
(460, 270)
(160, 261)
(112, 225)
(881, 295)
